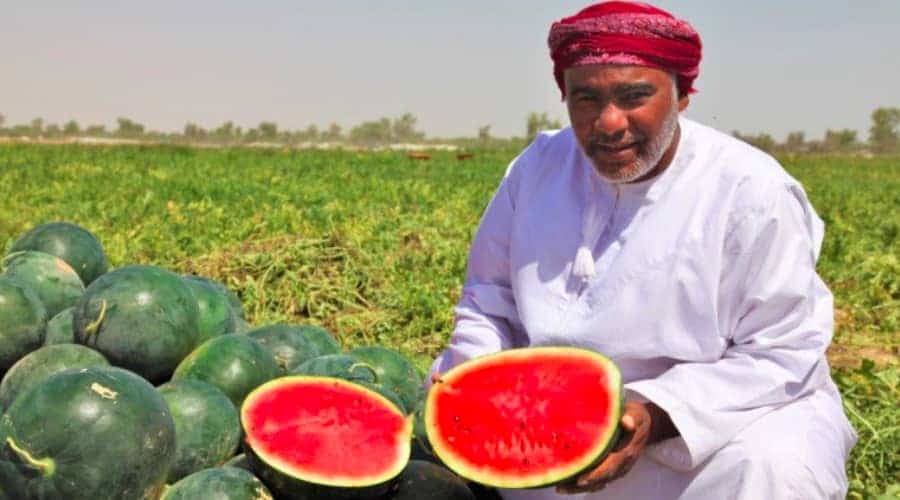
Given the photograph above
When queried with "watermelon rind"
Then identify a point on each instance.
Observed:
(61, 328)
(395, 372)
(221, 483)
(344, 366)
(288, 343)
(291, 482)
(216, 316)
(71, 243)
(479, 473)
(422, 480)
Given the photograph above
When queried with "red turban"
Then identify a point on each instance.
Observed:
(633, 33)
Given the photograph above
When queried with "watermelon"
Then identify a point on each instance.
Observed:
(142, 318)
(240, 461)
(342, 366)
(427, 481)
(23, 321)
(39, 365)
(71, 243)
(234, 363)
(394, 372)
(323, 339)
(421, 448)
(525, 418)
(89, 433)
(320, 437)
(225, 483)
(52, 279)
(60, 329)
(233, 301)
(289, 344)
(216, 316)
(241, 325)
(207, 427)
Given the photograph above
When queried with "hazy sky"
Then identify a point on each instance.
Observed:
(768, 65)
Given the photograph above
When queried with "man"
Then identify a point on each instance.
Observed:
(686, 256)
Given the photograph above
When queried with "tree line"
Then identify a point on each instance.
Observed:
(884, 136)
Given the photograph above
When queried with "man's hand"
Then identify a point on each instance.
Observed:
(636, 425)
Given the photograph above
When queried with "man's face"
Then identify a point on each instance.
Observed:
(625, 118)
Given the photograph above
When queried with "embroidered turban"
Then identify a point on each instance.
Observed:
(633, 33)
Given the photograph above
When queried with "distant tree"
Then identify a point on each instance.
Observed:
(839, 140)
(333, 134)
(404, 129)
(128, 129)
(193, 132)
(268, 131)
(795, 142)
(762, 141)
(311, 134)
(71, 128)
(883, 136)
(52, 130)
(484, 134)
(95, 130)
(37, 127)
(225, 132)
(2, 120)
(373, 133)
(252, 135)
(538, 122)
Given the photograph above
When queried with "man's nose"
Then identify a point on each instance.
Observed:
(610, 122)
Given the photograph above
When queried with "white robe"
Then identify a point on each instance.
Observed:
(705, 293)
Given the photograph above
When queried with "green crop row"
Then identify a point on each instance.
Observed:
(374, 245)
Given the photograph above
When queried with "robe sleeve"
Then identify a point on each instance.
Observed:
(485, 315)
(777, 315)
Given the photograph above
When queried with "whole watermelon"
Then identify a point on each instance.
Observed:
(60, 328)
(51, 278)
(142, 318)
(343, 366)
(71, 243)
(23, 321)
(91, 433)
(236, 364)
(223, 483)
(39, 365)
(394, 372)
(289, 344)
(324, 340)
(207, 426)
(216, 316)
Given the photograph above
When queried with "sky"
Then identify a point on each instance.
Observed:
(457, 65)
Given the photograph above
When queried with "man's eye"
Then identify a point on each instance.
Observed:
(635, 96)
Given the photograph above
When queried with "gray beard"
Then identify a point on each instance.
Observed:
(656, 148)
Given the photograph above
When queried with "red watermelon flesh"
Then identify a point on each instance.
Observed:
(525, 417)
(326, 431)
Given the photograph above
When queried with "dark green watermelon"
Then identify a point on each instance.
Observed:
(421, 447)
(142, 318)
(289, 344)
(323, 339)
(61, 329)
(386, 392)
(239, 461)
(71, 243)
(427, 481)
(394, 372)
(91, 433)
(23, 321)
(224, 483)
(236, 364)
(52, 279)
(342, 366)
(207, 426)
(39, 365)
(216, 315)
(241, 326)
(233, 301)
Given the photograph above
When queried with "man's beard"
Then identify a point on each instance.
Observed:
(651, 155)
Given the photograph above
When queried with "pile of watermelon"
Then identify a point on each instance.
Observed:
(139, 383)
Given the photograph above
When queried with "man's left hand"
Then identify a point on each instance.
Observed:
(636, 422)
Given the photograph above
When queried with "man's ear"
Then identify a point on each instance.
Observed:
(683, 102)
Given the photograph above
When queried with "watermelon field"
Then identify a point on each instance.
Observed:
(372, 247)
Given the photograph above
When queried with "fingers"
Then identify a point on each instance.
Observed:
(628, 422)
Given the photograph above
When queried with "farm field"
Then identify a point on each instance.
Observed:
(373, 245)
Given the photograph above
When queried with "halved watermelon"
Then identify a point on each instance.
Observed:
(525, 418)
(320, 437)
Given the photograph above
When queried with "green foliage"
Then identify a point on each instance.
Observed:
(883, 135)
(373, 246)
